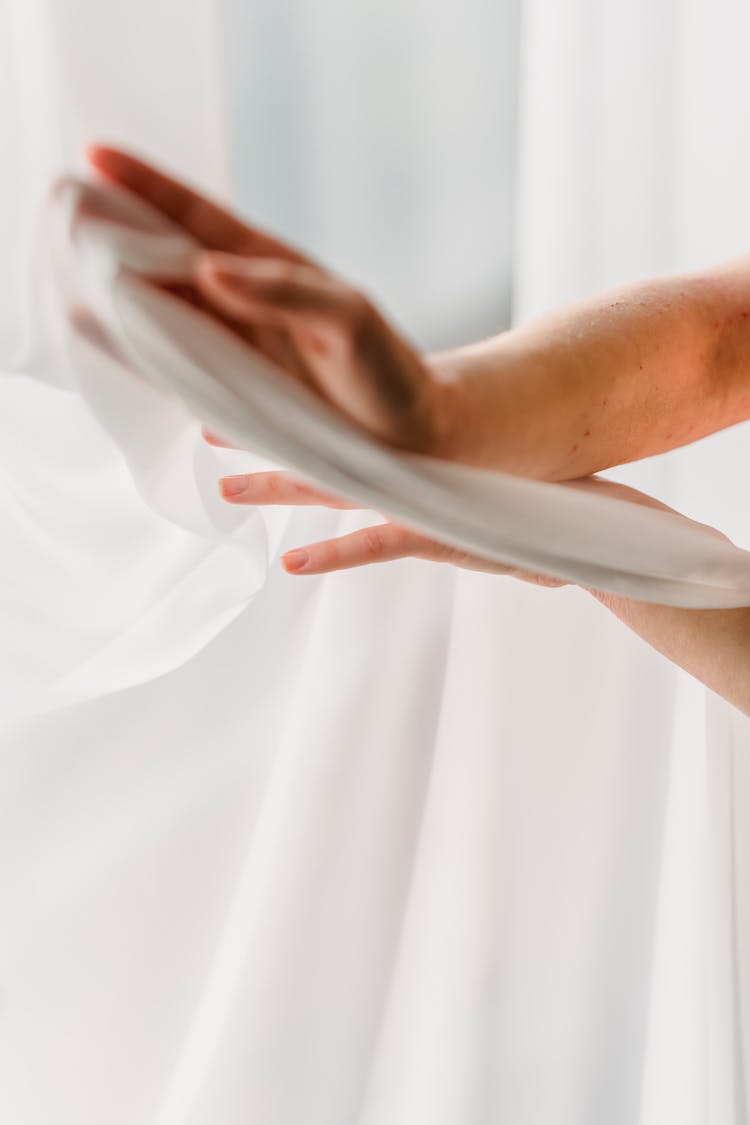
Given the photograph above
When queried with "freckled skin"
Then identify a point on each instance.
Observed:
(671, 355)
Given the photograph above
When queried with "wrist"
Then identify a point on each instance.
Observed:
(451, 390)
(484, 414)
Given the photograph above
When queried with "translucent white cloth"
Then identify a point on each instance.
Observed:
(110, 244)
(388, 846)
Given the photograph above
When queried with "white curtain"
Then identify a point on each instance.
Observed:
(632, 163)
(394, 845)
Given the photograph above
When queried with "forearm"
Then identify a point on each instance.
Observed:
(712, 645)
(614, 379)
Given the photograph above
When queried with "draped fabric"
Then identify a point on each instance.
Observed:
(395, 844)
(135, 347)
(632, 164)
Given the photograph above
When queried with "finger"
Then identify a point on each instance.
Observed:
(244, 287)
(276, 487)
(352, 353)
(383, 543)
(214, 439)
(388, 542)
(210, 224)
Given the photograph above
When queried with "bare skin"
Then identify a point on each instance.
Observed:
(614, 379)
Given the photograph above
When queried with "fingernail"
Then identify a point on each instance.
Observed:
(296, 560)
(234, 486)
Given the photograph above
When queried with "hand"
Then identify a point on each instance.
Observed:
(325, 333)
(383, 542)
(387, 541)
(300, 316)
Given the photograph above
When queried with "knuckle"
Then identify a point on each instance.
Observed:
(299, 489)
(274, 485)
(372, 542)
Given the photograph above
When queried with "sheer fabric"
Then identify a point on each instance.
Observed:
(383, 846)
(133, 343)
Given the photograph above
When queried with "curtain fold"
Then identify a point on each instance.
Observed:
(631, 164)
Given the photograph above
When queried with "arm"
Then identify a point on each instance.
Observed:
(613, 379)
(711, 644)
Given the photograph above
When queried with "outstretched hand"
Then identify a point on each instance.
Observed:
(310, 323)
(382, 542)
(323, 332)
(388, 541)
